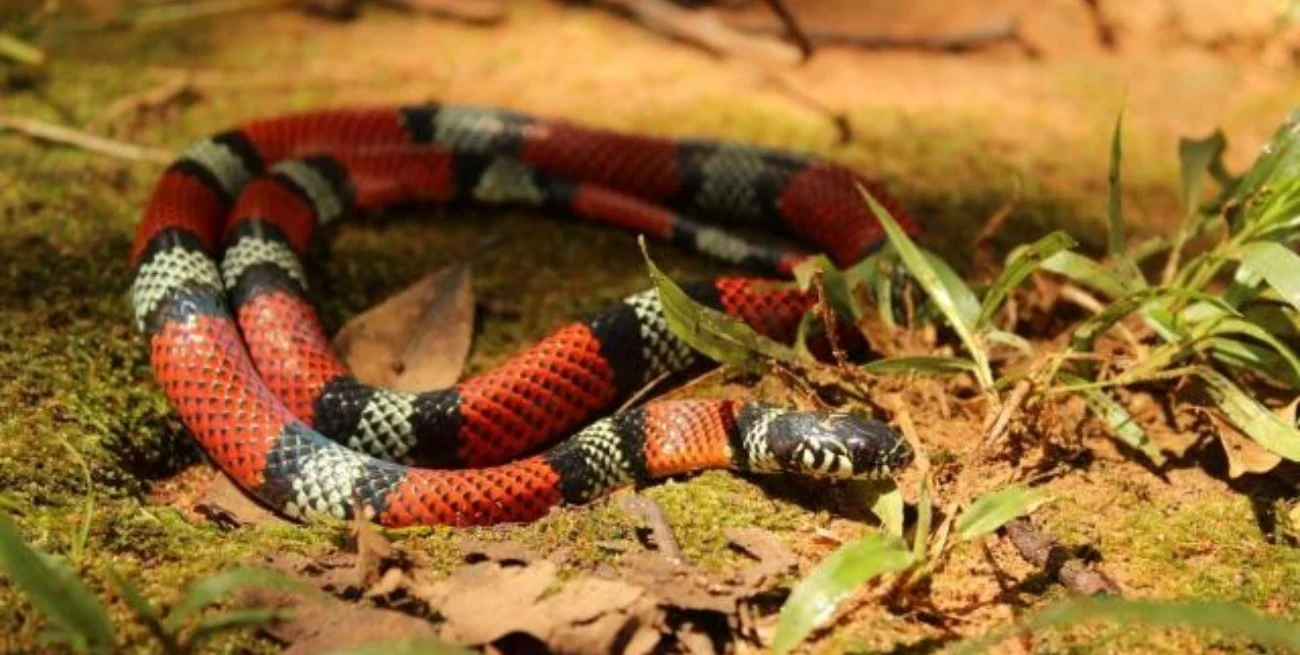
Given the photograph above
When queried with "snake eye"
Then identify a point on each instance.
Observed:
(836, 445)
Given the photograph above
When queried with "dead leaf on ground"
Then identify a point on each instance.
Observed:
(1245, 455)
(319, 626)
(417, 339)
(503, 552)
(774, 559)
(229, 507)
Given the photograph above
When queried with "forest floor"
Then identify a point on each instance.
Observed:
(955, 136)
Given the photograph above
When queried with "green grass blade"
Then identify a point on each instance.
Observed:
(992, 511)
(14, 49)
(1195, 158)
(1114, 198)
(212, 589)
(237, 619)
(1121, 423)
(1021, 263)
(1251, 417)
(1279, 266)
(1231, 325)
(919, 365)
(1091, 274)
(54, 590)
(1253, 358)
(711, 332)
(964, 299)
(1227, 618)
(944, 297)
(144, 611)
(813, 601)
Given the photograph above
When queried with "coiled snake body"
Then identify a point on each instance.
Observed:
(220, 293)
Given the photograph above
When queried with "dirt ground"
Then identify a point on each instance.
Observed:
(955, 135)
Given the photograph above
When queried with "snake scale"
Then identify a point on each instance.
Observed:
(220, 293)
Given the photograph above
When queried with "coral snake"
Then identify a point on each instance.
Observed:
(220, 294)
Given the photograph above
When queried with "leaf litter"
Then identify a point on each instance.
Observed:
(506, 598)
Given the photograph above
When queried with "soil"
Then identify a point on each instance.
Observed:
(956, 136)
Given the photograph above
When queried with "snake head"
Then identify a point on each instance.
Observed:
(836, 445)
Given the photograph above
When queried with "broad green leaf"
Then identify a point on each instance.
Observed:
(919, 365)
(887, 505)
(409, 647)
(1020, 264)
(54, 590)
(837, 285)
(1114, 196)
(1279, 266)
(1124, 427)
(945, 298)
(1227, 618)
(813, 601)
(1091, 274)
(1251, 417)
(713, 333)
(212, 589)
(1272, 177)
(1195, 157)
(993, 510)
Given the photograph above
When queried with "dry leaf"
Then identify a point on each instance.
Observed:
(1244, 454)
(417, 339)
(229, 507)
(320, 626)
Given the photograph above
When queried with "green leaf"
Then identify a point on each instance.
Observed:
(1253, 358)
(20, 51)
(919, 365)
(409, 647)
(1195, 156)
(54, 590)
(715, 334)
(1124, 427)
(813, 601)
(232, 620)
(1020, 264)
(210, 590)
(1231, 325)
(1272, 177)
(1279, 266)
(947, 299)
(1091, 274)
(839, 294)
(887, 505)
(965, 300)
(1251, 417)
(1114, 207)
(993, 510)
(1227, 618)
(924, 516)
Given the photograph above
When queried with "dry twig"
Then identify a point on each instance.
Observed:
(51, 133)
(705, 31)
(1042, 551)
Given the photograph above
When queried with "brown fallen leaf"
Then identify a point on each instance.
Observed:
(507, 553)
(328, 625)
(229, 507)
(774, 559)
(1244, 454)
(416, 339)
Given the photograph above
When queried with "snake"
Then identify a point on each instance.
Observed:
(221, 296)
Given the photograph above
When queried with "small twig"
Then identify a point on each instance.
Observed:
(1000, 421)
(473, 12)
(792, 27)
(827, 315)
(704, 30)
(1101, 23)
(1006, 29)
(661, 533)
(1042, 551)
(983, 252)
(67, 136)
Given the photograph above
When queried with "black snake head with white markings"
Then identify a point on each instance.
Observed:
(837, 445)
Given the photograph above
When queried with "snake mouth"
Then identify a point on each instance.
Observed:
(838, 446)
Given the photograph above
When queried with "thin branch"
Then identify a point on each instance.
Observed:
(792, 28)
(704, 30)
(67, 136)
(1004, 30)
